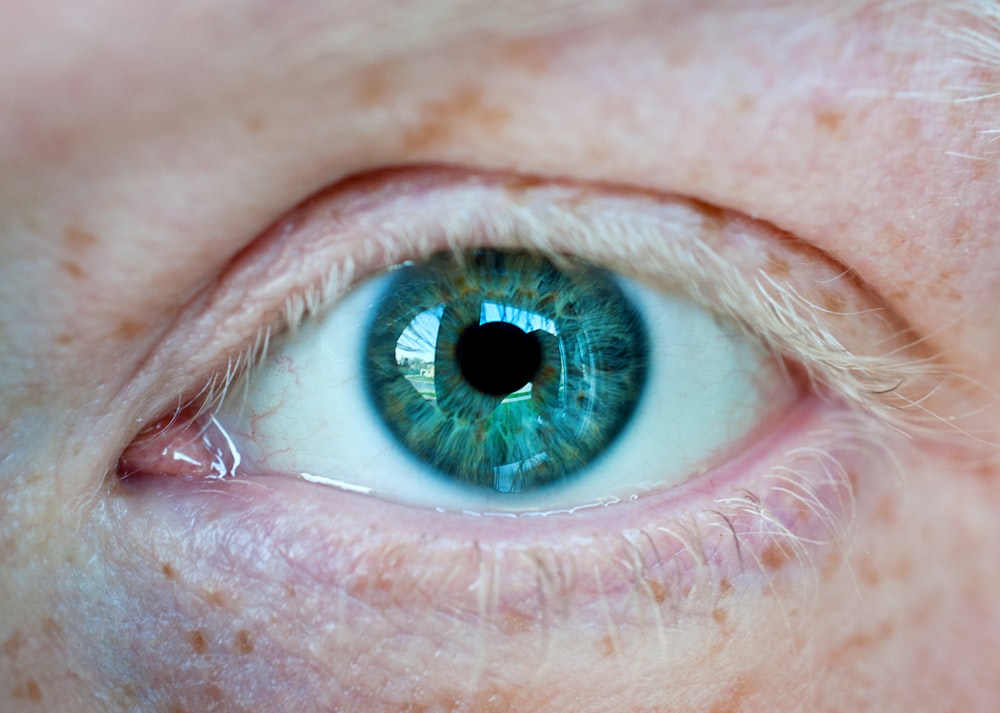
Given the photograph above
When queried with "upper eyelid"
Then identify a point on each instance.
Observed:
(783, 291)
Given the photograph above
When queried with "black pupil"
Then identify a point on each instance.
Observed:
(498, 358)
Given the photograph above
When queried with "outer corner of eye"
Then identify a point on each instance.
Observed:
(496, 380)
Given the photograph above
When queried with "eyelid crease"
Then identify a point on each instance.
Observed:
(779, 290)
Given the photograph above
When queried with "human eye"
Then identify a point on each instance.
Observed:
(812, 377)
(601, 390)
(388, 570)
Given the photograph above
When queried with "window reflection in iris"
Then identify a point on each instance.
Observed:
(502, 370)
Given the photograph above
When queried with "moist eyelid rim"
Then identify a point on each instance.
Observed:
(721, 260)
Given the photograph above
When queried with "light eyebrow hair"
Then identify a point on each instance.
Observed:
(971, 29)
(973, 26)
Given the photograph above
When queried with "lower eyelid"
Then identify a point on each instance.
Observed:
(785, 506)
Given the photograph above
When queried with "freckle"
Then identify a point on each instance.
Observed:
(427, 134)
(244, 642)
(215, 597)
(13, 645)
(774, 557)
(463, 110)
(985, 471)
(607, 647)
(198, 643)
(725, 586)
(213, 693)
(254, 123)
(290, 591)
(128, 692)
(30, 690)
(168, 570)
(63, 339)
(73, 269)
(79, 240)
(829, 120)
(719, 616)
(128, 329)
(657, 590)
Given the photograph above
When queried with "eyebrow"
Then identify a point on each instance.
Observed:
(974, 27)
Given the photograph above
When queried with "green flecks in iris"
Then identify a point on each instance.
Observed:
(593, 366)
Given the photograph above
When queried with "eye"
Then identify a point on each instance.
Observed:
(499, 381)
(762, 427)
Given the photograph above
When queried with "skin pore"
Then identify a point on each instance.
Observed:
(149, 154)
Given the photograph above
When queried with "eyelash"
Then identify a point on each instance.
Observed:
(892, 386)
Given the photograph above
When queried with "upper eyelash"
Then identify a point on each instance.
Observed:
(893, 385)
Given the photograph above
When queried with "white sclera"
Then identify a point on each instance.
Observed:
(305, 412)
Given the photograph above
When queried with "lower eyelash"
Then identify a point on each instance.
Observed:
(794, 518)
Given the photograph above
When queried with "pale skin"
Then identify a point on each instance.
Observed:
(142, 149)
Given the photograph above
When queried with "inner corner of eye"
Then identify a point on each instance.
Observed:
(184, 443)
(488, 379)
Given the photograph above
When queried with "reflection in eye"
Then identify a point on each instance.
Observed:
(502, 370)
(609, 389)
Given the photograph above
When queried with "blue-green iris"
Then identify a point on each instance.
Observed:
(502, 369)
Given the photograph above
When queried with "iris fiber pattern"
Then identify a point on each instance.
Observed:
(503, 370)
